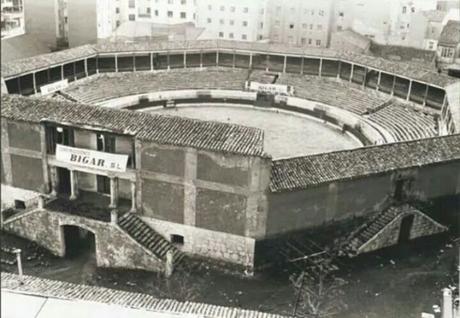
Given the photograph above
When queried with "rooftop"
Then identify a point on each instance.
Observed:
(450, 34)
(93, 297)
(161, 129)
(434, 15)
(22, 46)
(304, 172)
(415, 72)
(453, 95)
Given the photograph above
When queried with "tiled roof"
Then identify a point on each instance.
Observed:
(450, 34)
(57, 58)
(304, 172)
(69, 291)
(161, 129)
(45, 60)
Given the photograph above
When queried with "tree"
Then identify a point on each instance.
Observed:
(319, 292)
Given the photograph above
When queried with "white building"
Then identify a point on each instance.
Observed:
(12, 18)
(302, 23)
(243, 20)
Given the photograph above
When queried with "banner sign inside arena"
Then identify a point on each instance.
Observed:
(54, 87)
(91, 158)
(274, 89)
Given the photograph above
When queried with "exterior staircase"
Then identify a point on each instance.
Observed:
(149, 238)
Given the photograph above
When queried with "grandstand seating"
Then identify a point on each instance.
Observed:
(112, 85)
(336, 93)
(404, 122)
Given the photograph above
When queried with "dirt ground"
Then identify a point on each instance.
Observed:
(395, 283)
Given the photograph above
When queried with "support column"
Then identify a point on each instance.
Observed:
(113, 192)
(201, 59)
(134, 62)
(234, 60)
(116, 63)
(217, 58)
(284, 64)
(393, 86)
(19, 86)
(320, 67)
(54, 181)
(339, 69)
(35, 82)
(365, 76)
(185, 59)
(73, 185)
(151, 61)
(86, 67)
(97, 64)
(74, 71)
(46, 177)
(250, 61)
(426, 95)
(133, 197)
(267, 63)
(379, 78)
(409, 90)
(62, 72)
(302, 65)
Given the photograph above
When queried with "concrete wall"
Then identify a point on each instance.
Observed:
(83, 24)
(291, 211)
(41, 20)
(114, 248)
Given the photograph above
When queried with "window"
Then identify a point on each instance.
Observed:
(132, 17)
(183, 15)
(209, 7)
(170, 14)
(291, 26)
(19, 204)
(222, 8)
(339, 28)
(309, 41)
(430, 45)
(209, 20)
(232, 9)
(230, 35)
(412, 9)
(277, 22)
(244, 37)
(245, 10)
(321, 12)
(221, 21)
(131, 4)
(312, 12)
(261, 25)
(221, 34)
(183, 2)
(149, 11)
(260, 37)
(311, 26)
(232, 22)
(245, 23)
(170, 1)
(117, 10)
(118, 23)
(319, 27)
(404, 9)
(303, 41)
(156, 13)
(318, 42)
(340, 14)
(304, 26)
(177, 239)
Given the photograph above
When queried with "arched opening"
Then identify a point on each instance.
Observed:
(79, 242)
(405, 229)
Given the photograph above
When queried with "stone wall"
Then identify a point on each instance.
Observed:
(422, 226)
(215, 245)
(114, 248)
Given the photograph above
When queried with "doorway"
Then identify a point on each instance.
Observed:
(405, 229)
(63, 175)
(78, 241)
(103, 184)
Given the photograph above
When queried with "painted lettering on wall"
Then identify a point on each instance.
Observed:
(91, 158)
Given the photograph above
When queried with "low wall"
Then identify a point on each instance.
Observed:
(9, 194)
(114, 248)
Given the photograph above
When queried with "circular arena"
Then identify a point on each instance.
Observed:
(229, 150)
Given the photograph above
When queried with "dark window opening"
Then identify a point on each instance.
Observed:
(103, 184)
(58, 135)
(19, 204)
(177, 239)
(405, 229)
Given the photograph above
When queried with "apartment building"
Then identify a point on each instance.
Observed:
(158, 11)
(12, 18)
(303, 23)
(243, 20)
(426, 29)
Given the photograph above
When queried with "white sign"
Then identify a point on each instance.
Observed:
(91, 158)
(54, 87)
(270, 88)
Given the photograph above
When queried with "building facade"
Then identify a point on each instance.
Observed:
(12, 18)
